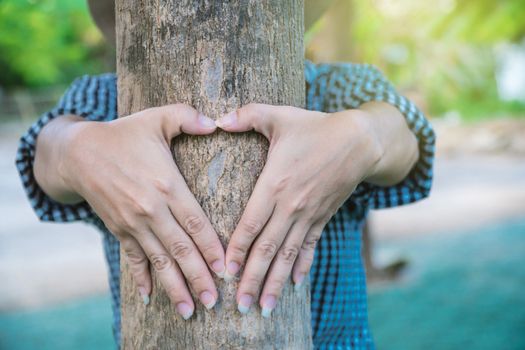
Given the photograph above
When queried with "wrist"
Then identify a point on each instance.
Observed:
(397, 144)
(365, 135)
(73, 137)
(46, 166)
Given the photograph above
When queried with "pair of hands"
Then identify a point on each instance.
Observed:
(124, 169)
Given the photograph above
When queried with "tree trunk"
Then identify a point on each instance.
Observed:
(215, 56)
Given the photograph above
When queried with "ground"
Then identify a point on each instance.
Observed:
(462, 289)
(464, 292)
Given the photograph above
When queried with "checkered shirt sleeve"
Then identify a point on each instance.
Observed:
(341, 86)
(90, 97)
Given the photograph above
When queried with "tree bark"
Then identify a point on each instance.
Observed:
(215, 56)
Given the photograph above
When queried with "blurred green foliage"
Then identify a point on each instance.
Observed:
(46, 42)
(445, 49)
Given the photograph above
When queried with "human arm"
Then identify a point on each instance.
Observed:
(123, 171)
(317, 161)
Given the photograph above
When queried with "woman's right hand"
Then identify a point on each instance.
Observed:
(124, 169)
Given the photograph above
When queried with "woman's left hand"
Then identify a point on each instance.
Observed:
(315, 161)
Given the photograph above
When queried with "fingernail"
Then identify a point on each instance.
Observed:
(268, 304)
(144, 295)
(298, 282)
(219, 268)
(245, 301)
(226, 120)
(207, 299)
(205, 121)
(231, 271)
(184, 310)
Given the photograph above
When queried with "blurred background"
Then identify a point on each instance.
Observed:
(446, 273)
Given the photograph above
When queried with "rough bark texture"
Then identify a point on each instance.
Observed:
(215, 56)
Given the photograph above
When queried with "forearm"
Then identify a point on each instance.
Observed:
(396, 143)
(48, 167)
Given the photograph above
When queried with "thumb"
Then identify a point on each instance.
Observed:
(254, 116)
(181, 118)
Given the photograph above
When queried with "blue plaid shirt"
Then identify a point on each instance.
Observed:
(338, 286)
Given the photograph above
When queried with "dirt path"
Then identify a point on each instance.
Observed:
(479, 178)
(469, 191)
(41, 263)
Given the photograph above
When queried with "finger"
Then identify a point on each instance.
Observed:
(183, 250)
(282, 267)
(168, 273)
(181, 118)
(138, 265)
(261, 255)
(255, 116)
(304, 260)
(254, 218)
(194, 222)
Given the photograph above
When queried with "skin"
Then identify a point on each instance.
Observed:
(284, 217)
(315, 162)
(143, 199)
(125, 171)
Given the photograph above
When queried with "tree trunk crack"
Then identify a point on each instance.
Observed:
(215, 172)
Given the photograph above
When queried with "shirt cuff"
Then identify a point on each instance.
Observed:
(93, 98)
(418, 182)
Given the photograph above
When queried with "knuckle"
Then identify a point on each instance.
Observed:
(280, 184)
(180, 250)
(252, 283)
(299, 204)
(173, 108)
(174, 293)
(267, 249)
(181, 109)
(114, 228)
(126, 223)
(164, 186)
(253, 113)
(135, 258)
(295, 206)
(142, 208)
(306, 264)
(306, 261)
(310, 242)
(196, 280)
(251, 109)
(122, 224)
(139, 272)
(193, 224)
(160, 262)
(289, 253)
(238, 250)
(252, 227)
(210, 250)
